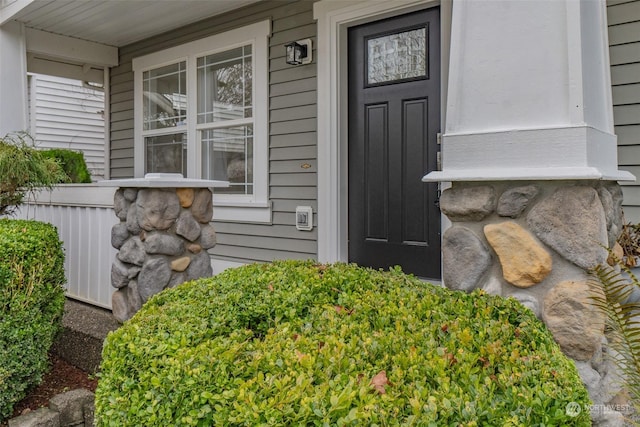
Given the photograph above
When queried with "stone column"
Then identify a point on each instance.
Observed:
(530, 152)
(162, 237)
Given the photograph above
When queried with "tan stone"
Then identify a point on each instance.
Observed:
(615, 255)
(180, 264)
(524, 261)
(185, 195)
(194, 248)
(576, 323)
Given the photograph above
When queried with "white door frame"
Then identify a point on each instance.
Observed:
(334, 18)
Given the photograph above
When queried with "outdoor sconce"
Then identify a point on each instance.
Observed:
(299, 52)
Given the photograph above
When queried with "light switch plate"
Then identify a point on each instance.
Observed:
(304, 218)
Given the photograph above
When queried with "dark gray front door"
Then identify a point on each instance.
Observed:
(394, 119)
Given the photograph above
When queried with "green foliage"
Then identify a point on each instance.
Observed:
(72, 163)
(296, 343)
(23, 170)
(31, 305)
(623, 319)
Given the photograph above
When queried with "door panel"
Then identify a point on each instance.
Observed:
(394, 118)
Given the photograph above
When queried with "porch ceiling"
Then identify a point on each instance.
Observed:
(119, 22)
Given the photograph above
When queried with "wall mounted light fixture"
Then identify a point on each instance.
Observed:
(299, 52)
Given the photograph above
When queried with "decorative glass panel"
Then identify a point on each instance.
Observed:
(166, 153)
(165, 96)
(224, 86)
(227, 155)
(397, 56)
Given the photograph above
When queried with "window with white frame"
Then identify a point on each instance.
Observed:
(201, 110)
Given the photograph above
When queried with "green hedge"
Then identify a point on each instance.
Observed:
(295, 343)
(31, 305)
(72, 163)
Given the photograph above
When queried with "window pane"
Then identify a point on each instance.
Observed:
(227, 155)
(225, 85)
(397, 56)
(165, 96)
(166, 153)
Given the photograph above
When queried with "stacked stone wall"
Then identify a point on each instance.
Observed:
(162, 237)
(536, 241)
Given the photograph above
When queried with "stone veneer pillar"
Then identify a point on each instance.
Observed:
(162, 237)
(530, 150)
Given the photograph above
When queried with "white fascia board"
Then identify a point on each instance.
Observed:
(71, 49)
(8, 12)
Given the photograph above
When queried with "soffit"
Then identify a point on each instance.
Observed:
(119, 22)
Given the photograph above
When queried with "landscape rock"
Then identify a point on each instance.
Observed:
(464, 258)
(119, 274)
(524, 262)
(529, 301)
(176, 279)
(134, 300)
(120, 205)
(200, 266)
(515, 200)
(606, 417)
(157, 209)
(572, 222)
(468, 203)
(187, 226)
(133, 272)
(194, 248)
(185, 195)
(589, 376)
(70, 405)
(208, 237)
(41, 417)
(153, 277)
(180, 264)
(119, 234)
(164, 244)
(202, 207)
(610, 194)
(493, 286)
(575, 323)
(132, 252)
(89, 411)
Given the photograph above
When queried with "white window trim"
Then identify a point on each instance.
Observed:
(240, 208)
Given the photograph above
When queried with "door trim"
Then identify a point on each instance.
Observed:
(333, 20)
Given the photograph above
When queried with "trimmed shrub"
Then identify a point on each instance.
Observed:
(31, 305)
(72, 163)
(296, 343)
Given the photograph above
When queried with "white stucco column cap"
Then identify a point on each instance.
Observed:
(164, 180)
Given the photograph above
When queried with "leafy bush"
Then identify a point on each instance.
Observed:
(72, 163)
(296, 343)
(31, 305)
(23, 170)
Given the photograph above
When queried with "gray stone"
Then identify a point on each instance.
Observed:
(119, 235)
(575, 322)
(590, 377)
(153, 277)
(468, 203)
(70, 405)
(133, 272)
(132, 220)
(120, 205)
(130, 194)
(200, 266)
(493, 286)
(572, 222)
(187, 226)
(529, 301)
(208, 237)
(464, 258)
(202, 207)
(157, 209)
(164, 244)
(515, 200)
(120, 305)
(134, 300)
(42, 417)
(89, 411)
(132, 252)
(177, 279)
(611, 197)
(601, 416)
(119, 274)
